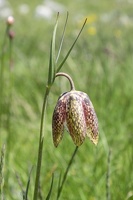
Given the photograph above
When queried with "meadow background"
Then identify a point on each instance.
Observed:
(101, 64)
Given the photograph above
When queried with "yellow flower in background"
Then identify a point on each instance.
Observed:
(117, 33)
(91, 18)
(92, 30)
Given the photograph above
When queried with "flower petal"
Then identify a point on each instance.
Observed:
(58, 120)
(75, 118)
(91, 119)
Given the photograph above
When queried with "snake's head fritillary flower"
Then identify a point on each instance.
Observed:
(75, 111)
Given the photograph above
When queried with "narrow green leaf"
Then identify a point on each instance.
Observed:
(61, 64)
(2, 159)
(28, 184)
(52, 55)
(51, 187)
(59, 184)
(62, 38)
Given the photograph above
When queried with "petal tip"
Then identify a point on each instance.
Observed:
(94, 140)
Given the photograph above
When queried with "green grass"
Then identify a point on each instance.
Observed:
(102, 66)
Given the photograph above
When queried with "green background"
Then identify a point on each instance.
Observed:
(101, 65)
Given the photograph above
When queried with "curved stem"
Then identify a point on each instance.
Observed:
(68, 77)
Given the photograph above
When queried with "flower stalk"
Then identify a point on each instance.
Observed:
(66, 172)
(51, 78)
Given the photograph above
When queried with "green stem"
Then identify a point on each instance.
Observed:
(66, 172)
(8, 122)
(40, 148)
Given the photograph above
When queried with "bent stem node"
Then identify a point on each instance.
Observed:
(68, 77)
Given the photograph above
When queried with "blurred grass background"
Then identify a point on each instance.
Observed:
(101, 65)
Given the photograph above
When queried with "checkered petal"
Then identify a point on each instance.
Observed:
(58, 120)
(90, 118)
(75, 118)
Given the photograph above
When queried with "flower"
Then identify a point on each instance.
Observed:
(91, 18)
(117, 33)
(10, 20)
(92, 30)
(75, 111)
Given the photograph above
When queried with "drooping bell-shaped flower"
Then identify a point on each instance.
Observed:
(75, 111)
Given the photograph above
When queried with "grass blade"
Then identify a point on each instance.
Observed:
(51, 187)
(52, 55)
(28, 184)
(59, 184)
(2, 157)
(61, 64)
